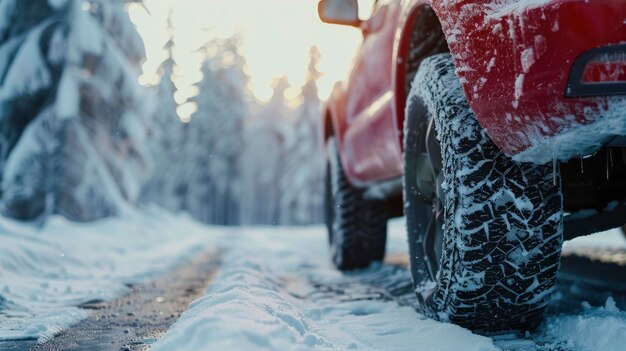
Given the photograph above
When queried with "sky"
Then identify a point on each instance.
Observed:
(277, 35)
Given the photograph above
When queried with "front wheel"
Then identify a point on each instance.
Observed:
(485, 247)
(357, 227)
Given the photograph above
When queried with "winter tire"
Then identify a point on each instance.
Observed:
(357, 227)
(502, 221)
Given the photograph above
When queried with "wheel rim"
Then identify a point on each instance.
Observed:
(423, 196)
(332, 202)
(432, 242)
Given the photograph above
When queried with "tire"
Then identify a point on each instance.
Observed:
(357, 228)
(502, 220)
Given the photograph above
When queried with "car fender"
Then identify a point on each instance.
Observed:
(334, 115)
(411, 9)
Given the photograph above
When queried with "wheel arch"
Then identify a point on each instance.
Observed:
(327, 124)
(334, 114)
(407, 55)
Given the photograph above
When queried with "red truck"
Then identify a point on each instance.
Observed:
(497, 127)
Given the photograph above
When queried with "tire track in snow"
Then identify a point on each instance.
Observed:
(138, 319)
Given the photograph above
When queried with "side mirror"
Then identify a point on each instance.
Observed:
(345, 12)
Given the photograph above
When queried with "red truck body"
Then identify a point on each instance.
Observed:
(515, 59)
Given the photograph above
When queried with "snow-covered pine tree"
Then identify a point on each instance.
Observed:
(268, 136)
(200, 202)
(216, 131)
(72, 115)
(169, 182)
(302, 182)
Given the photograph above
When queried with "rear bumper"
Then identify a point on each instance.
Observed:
(606, 124)
(515, 64)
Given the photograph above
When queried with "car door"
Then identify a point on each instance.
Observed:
(371, 151)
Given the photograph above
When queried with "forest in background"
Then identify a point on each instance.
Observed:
(79, 137)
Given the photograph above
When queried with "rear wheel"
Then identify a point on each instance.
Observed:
(493, 264)
(357, 227)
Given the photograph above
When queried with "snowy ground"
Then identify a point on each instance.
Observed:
(45, 273)
(275, 291)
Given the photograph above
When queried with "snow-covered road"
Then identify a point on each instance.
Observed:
(276, 289)
(45, 273)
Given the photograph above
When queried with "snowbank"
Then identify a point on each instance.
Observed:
(45, 273)
(612, 239)
(277, 291)
(597, 328)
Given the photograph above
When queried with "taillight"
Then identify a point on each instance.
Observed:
(599, 72)
(606, 68)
